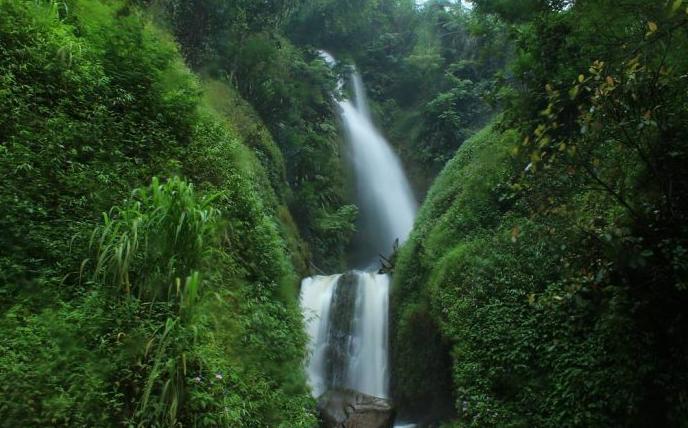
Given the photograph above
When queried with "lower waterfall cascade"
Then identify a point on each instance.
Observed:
(348, 328)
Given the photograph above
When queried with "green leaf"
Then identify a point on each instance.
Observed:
(676, 6)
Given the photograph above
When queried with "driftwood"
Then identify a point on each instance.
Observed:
(316, 269)
(387, 263)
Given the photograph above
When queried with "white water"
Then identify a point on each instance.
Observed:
(366, 345)
(368, 371)
(361, 100)
(316, 294)
(352, 352)
(386, 203)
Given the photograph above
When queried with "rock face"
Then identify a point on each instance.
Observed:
(344, 408)
(341, 330)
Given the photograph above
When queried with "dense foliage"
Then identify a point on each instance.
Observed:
(177, 307)
(241, 43)
(549, 256)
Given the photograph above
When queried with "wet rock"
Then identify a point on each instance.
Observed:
(345, 408)
(340, 331)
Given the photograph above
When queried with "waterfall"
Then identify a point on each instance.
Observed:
(346, 319)
(386, 204)
(347, 314)
(360, 96)
(316, 295)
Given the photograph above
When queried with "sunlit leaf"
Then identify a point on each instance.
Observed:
(676, 6)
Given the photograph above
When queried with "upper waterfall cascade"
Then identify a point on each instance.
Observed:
(347, 314)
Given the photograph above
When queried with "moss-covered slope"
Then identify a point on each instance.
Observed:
(179, 305)
(521, 314)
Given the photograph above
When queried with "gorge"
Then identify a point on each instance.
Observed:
(202, 225)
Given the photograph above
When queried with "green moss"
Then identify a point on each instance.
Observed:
(497, 288)
(246, 125)
(459, 203)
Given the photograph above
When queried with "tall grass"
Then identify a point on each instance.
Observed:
(153, 249)
(152, 244)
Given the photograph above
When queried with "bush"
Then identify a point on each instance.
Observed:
(541, 331)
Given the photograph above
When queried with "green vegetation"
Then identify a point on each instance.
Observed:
(549, 256)
(241, 43)
(178, 306)
(171, 168)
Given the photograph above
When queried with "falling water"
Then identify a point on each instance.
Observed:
(316, 295)
(346, 318)
(360, 96)
(347, 314)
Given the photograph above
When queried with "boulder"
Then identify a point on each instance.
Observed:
(345, 408)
